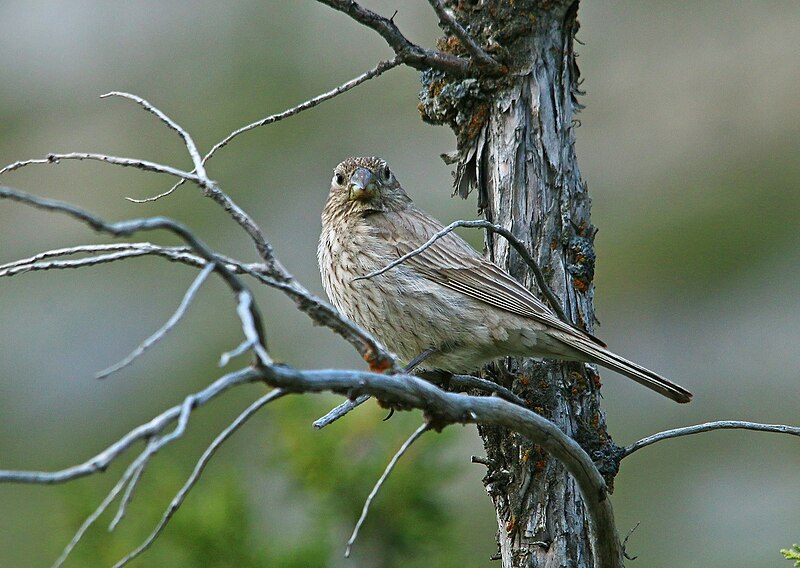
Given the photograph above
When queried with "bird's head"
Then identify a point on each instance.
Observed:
(366, 184)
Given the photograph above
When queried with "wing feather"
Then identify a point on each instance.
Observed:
(451, 262)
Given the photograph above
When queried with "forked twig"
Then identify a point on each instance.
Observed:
(201, 464)
(248, 312)
(188, 141)
(379, 69)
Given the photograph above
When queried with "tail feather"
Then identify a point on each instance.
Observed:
(641, 375)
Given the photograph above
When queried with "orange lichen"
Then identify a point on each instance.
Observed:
(377, 363)
(476, 121)
(450, 44)
(436, 86)
(580, 285)
(511, 524)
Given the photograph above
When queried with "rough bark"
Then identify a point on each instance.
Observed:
(516, 149)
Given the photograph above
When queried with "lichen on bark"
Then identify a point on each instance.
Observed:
(515, 146)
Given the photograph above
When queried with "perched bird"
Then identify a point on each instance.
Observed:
(448, 307)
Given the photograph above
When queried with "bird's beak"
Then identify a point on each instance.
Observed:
(363, 185)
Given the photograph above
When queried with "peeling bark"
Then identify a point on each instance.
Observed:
(516, 148)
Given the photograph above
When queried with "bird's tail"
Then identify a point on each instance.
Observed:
(646, 377)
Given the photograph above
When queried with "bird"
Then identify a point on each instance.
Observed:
(447, 308)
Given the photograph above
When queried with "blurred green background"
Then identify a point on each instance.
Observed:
(689, 144)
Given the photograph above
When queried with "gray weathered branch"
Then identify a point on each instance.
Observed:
(709, 427)
(409, 53)
(248, 312)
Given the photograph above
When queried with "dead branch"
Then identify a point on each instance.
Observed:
(709, 427)
(409, 53)
(248, 312)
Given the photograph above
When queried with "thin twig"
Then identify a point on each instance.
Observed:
(154, 427)
(339, 411)
(191, 147)
(389, 467)
(127, 497)
(157, 196)
(168, 325)
(251, 321)
(115, 160)
(379, 69)
(177, 501)
(625, 542)
(109, 498)
(708, 427)
(129, 478)
(320, 312)
(518, 245)
(481, 58)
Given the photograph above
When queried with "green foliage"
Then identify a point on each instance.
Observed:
(410, 522)
(212, 528)
(793, 554)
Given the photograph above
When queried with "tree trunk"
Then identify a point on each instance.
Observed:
(516, 148)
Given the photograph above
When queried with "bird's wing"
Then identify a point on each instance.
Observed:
(451, 262)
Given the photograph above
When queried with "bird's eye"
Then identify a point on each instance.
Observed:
(338, 178)
(386, 174)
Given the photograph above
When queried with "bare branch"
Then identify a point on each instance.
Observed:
(340, 411)
(708, 427)
(518, 245)
(379, 69)
(409, 53)
(177, 501)
(80, 249)
(251, 320)
(442, 408)
(168, 325)
(319, 311)
(187, 139)
(481, 58)
(459, 383)
(115, 160)
(154, 427)
(389, 467)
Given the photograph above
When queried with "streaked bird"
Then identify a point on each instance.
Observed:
(448, 307)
